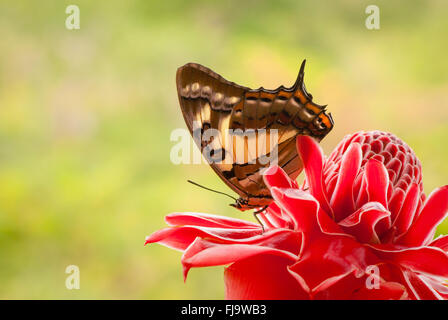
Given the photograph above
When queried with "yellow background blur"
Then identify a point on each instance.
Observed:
(86, 117)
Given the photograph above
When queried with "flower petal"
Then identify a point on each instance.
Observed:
(262, 277)
(276, 217)
(362, 197)
(207, 220)
(420, 289)
(396, 203)
(275, 176)
(430, 260)
(386, 291)
(362, 224)
(264, 221)
(434, 211)
(407, 211)
(305, 212)
(204, 253)
(441, 242)
(300, 205)
(328, 257)
(180, 238)
(342, 200)
(438, 285)
(338, 287)
(351, 286)
(313, 160)
(377, 180)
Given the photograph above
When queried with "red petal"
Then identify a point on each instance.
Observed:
(342, 199)
(353, 286)
(313, 159)
(264, 221)
(180, 238)
(339, 287)
(275, 216)
(420, 289)
(362, 197)
(207, 220)
(441, 242)
(386, 291)
(396, 203)
(362, 223)
(203, 253)
(305, 212)
(438, 285)
(377, 180)
(395, 165)
(300, 206)
(433, 212)
(430, 260)
(275, 177)
(262, 277)
(330, 256)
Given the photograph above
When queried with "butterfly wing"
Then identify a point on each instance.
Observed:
(208, 101)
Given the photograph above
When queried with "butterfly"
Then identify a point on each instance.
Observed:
(211, 103)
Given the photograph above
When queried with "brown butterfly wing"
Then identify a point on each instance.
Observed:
(207, 98)
(215, 103)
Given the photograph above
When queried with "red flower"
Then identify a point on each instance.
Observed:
(359, 228)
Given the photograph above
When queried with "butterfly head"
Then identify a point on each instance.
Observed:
(244, 204)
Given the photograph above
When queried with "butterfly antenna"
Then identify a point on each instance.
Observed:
(198, 185)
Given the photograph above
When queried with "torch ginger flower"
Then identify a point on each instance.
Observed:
(359, 227)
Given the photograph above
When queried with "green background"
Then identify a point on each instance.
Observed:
(86, 117)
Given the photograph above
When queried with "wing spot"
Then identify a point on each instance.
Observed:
(186, 91)
(283, 98)
(206, 92)
(218, 98)
(230, 101)
(195, 90)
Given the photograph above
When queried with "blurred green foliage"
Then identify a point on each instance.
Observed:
(86, 116)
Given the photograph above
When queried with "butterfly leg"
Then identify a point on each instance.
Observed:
(256, 218)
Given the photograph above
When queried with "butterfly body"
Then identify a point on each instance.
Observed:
(247, 121)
